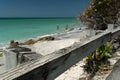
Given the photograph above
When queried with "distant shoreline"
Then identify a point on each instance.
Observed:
(37, 17)
(26, 28)
(60, 35)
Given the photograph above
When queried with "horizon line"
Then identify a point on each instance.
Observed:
(34, 17)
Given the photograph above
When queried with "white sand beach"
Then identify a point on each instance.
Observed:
(73, 73)
(47, 47)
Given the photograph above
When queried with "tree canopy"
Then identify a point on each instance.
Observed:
(101, 12)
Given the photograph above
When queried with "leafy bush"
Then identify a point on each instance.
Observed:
(104, 51)
(97, 59)
(101, 13)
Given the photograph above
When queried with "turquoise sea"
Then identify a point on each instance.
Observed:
(24, 28)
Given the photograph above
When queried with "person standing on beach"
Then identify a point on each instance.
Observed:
(58, 27)
(66, 28)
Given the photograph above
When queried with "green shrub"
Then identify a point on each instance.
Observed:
(104, 51)
(99, 58)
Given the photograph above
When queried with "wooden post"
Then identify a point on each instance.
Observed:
(10, 59)
(92, 32)
(110, 27)
(2, 62)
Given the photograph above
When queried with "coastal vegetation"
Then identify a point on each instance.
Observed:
(98, 58)
(101, 61)
(100, 13)
(97, 16)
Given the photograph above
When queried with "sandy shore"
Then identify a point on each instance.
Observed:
(68, 39)
(47, 47)
(73, 73)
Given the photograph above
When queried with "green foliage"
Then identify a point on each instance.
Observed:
(104, 51)
(90, 56)
(97, 59)
(101, 11)
(1, 54)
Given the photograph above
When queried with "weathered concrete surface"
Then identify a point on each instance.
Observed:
(115, 74)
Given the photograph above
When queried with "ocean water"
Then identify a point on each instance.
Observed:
(23, 28)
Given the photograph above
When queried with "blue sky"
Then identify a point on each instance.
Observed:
(42, 8)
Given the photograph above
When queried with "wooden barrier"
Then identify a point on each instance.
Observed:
(51, 66)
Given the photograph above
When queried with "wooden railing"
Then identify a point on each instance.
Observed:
(51, 66)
